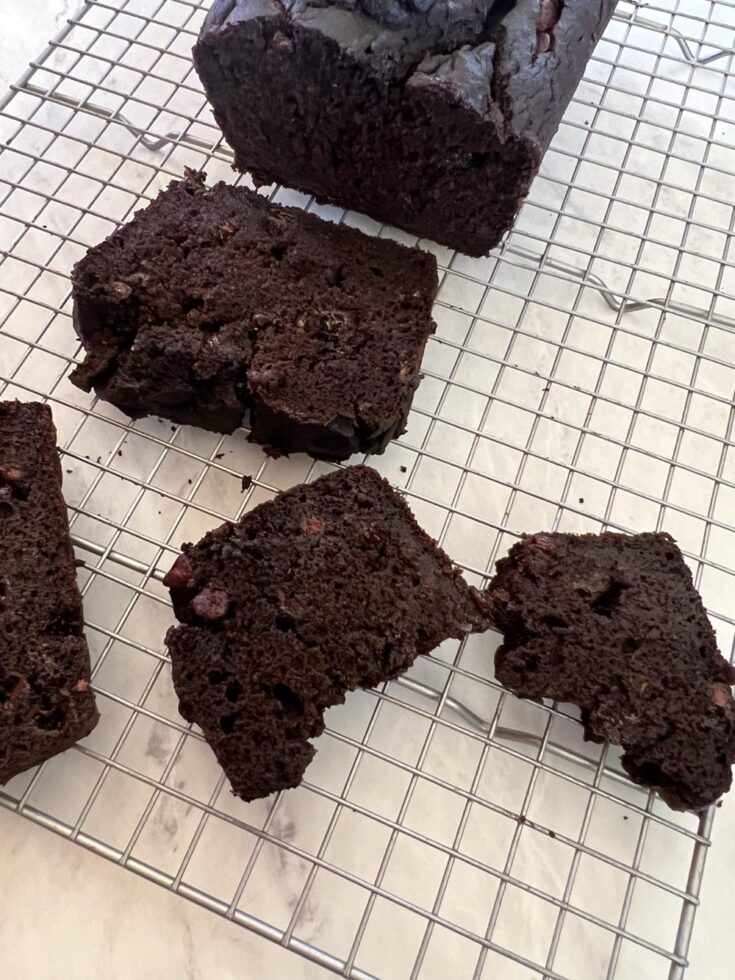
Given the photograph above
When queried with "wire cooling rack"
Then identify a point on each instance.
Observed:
(581, 377)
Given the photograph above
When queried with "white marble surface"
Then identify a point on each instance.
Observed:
(69, 915)
(27, 25)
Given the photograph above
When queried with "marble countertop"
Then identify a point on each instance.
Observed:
(70, 915)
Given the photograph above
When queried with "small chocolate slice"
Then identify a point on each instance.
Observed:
(613, 624)
(46, 704)
(329, 587)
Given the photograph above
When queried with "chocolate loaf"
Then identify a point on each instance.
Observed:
(213, 302)
(329, 587)
(46, 703)
(614, 624)
(431, 115)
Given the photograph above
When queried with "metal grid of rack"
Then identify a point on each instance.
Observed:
(581, 378)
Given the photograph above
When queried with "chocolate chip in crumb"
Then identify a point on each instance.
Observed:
(211, 604)
(544, 542)
(181, 575)
(282, 43)
(13, 483)
(721, 694)
(314, 525)
(121, 291)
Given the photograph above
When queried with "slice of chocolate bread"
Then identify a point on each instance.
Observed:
(329, 587)
(613, 624)
(214, 301)
(46, 703)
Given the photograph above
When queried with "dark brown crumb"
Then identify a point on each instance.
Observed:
(246, 483)
(552, 834)
(521, 819)
(219, 456)
(404, 469)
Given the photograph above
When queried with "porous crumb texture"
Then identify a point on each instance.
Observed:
(433, 116)
(214, 301)
(613, 624)
(330, 587)
(46, 704)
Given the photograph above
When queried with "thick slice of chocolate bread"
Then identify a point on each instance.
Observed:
(329, 587)
(46, 704)
(214, 301)
(613, 624)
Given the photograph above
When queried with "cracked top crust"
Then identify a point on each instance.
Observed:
(429, 26)
(504, 59)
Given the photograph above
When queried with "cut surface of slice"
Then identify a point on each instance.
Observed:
(214, 301)
(613, 624)
(330, 587)
(46, 703)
